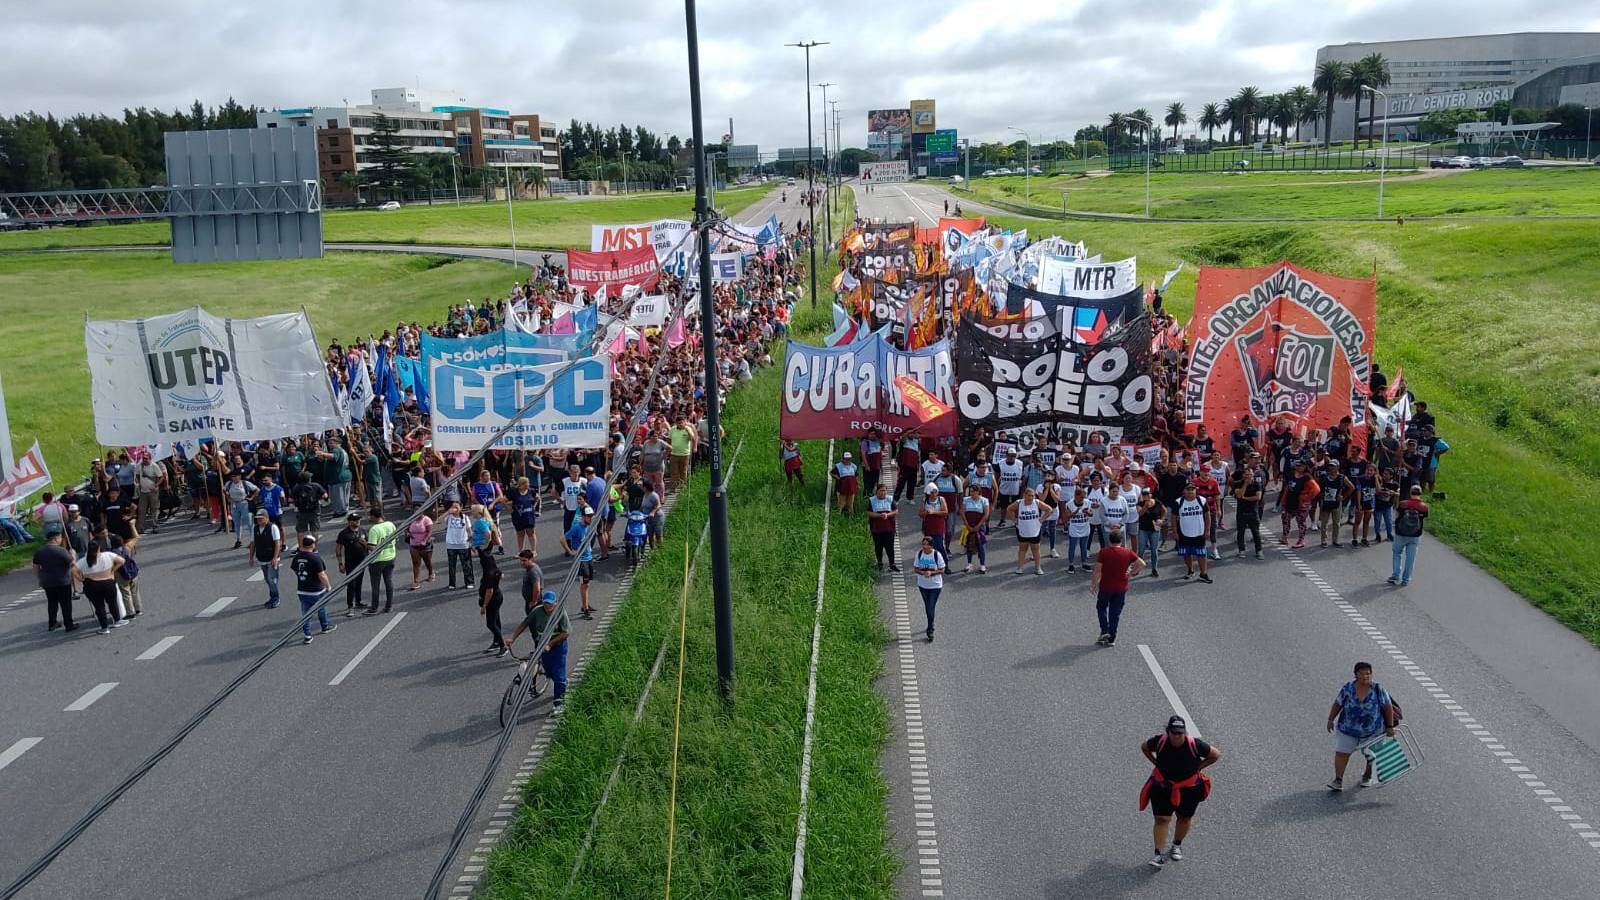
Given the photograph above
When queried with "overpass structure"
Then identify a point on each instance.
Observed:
(131, 204)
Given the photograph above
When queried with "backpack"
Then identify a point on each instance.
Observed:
(1410, 523)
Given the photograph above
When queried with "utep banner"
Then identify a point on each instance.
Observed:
(1280, 340)
(649, 311)
(610, 270)
(190, 374)
(470, 405)
(1029, 372)
(842, 392)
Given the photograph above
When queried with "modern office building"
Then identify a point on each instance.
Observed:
(1473, 72)
(479, 136)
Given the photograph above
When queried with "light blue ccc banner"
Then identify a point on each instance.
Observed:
(470, 404)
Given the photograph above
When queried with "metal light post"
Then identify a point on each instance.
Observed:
(1588, 130)
(624, 171)
(1027, 173)
(511, 216)
(1149, 126)
(827, 221)
(966, 179)
(1384, 159)
(835, 173)
(721, 584)
(811, 164)
(455, 177)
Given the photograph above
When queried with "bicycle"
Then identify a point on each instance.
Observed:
(509, 699)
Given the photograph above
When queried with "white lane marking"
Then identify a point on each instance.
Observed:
(1166, 688)
(932, 219)
(797, 881)
(159, 647)
(911, 710)
(258, 576)
(93, 694)
(1488, 739)
(14, 752)
(356, 661)
(213, 609)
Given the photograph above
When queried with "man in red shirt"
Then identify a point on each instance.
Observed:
(1113, 568)
(1207, 486)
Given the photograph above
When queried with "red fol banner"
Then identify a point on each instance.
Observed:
(613, 269)
(923, 405)
(1280, 341)
(965, 226)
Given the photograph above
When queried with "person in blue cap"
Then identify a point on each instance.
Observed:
(553, 658)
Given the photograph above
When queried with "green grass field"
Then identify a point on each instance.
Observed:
(739, 766)
(1285, 195)
(46, 296)
(540, 223)
(1497, 325)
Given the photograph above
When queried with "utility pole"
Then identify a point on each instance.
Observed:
(811, 164)
(838, 170)
(827, 221)
(511, 216)
(455, 177)
(721, 583)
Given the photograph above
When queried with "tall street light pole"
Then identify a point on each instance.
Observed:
(721, 584)
(511, 216)
(827, 187)
(1383, 159)
(1149, 126)
(1588, 130)
(811, 164)
(1027, 173)
(837, 172)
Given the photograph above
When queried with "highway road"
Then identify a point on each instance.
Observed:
(339, 770)
(1015, 766)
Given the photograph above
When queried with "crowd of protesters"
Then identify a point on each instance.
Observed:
(363, 476)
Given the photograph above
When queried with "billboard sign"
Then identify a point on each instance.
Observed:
(885, 172)
(744, 156)
(922, 117)
(798, 154)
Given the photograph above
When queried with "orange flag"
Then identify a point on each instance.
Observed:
(925, 407)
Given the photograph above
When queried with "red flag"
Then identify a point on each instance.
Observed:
(1397, 387)
(925, 407)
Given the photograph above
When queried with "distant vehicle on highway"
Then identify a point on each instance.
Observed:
(790, 182)
(1451, 162)
(1507, 162)
(956, 179)
(389, 206)
(1036, 171)
(1481, 162)
(8, 224)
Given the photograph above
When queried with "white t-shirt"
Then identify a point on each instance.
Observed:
(1097, 498)
(931, 469)
(1010, 477)
(457, 532)
(1218, 468)
(1030, 518)
(1115, 510)
(1192, 517)
(103, 564)
(1078, 518)
(1132, 495)
(571, 493)
(932, 559)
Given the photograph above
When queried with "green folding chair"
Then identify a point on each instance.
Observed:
(1392, 758)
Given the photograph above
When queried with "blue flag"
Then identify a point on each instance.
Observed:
(387, 387)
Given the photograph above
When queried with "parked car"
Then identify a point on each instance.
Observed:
(1507, 162)
(1481, 162)
(1036, 171)
(8, 224)
(956, 179)
(389, 206)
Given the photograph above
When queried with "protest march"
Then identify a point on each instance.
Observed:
(993, 371)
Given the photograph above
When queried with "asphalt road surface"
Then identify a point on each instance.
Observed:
(296, 787)
(1015, 766)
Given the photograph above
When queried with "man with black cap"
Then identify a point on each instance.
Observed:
(349, 550)
(553, 656)
(311, 582)
(264, 550)
(1178, 784)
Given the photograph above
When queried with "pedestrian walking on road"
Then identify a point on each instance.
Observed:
(1152, 513)
(935, 518)
(1192, 528)
(930, 566)
(266, 546)
(379, 532)
(1177, 785)
(975, 531)
(127, 574)
(349, 549)
(880, 521)
(490, 599)
(458, 544)
(1408, 521)
(1029, 513)
(311, 583)
(96, 573)
(1361, 711)
(239, 493)
(1114, 567)
(419, 538)
(52, 565)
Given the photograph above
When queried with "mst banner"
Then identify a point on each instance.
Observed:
(1277, 341)
(189, 375)
(842, 392)
(470, 404)
(1030, 372)
(662, 235)
(612, 270)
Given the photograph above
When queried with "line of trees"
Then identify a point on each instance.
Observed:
(43, 153)
(590, 152)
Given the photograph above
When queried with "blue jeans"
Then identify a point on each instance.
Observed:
(1109, 607)
(1150, 543)
(306, 602)
(930, 599)
(1383, 516)
(15, 531)
(269, 572)
(554, 664)
(240, 511)
(1050, 533)
(1078, 549)
(1406, 547)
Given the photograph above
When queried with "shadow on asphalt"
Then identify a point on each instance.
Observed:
(1103, 879)
(1059, 658)
(450, 670)
(287, 887)
(1318, 803)
(477, 729)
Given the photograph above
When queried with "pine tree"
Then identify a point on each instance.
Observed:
(394, 166)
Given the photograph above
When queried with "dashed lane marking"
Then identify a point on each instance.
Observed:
(14, 752)
(90, 696)
(159, 647)
(213, 609)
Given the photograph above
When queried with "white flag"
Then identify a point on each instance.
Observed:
(26, 475)
(358, 399)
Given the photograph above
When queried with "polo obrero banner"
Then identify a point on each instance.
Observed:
(1280, 341)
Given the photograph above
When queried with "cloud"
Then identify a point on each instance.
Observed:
(1048, 66)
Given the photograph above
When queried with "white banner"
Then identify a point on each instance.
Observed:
(26, 475)
(649, 311)
(1090, 280)
(189, 374)
(884, 172)
(663, 235)
(5, 433)
(470, 405)
(727, 266)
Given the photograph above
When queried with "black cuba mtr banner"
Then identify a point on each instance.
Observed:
(1033, 371)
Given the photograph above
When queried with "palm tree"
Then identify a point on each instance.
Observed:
(1284, 114)
(1210, 119)
(1375, 71)
(1350, 89)
(1230, 118)
(1300, 100)
(1144, 115)
(1176, 117)
(1248, 104)
(1114, 123)
(1328, 83)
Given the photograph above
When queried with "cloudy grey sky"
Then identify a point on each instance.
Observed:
(1048, 66)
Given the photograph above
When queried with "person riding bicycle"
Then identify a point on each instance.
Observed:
(553, 656)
